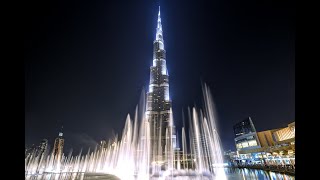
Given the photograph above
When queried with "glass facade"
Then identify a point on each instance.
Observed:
(245, 135)
(244, 127)
(248, 141)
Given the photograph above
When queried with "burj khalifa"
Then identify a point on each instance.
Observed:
(158, 110)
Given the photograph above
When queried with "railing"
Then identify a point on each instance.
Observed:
(287, 169)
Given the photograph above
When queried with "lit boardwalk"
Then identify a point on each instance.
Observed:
(288, 169)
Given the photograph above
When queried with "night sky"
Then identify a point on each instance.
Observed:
(86, 63)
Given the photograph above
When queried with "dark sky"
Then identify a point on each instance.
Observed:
(86, 63)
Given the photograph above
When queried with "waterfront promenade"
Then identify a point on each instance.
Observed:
(287, 169)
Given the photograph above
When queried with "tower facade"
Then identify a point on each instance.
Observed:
(158, 104)
(58, 147)
(43, 146)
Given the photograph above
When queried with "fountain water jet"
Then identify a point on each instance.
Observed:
(129, 157)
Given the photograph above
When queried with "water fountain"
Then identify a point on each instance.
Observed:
(129, 157)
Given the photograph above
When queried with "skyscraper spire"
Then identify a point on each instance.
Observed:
(61, 131)
(159, 36)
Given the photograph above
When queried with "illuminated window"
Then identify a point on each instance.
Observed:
(244, 144)
(250, 137)
(252, 143)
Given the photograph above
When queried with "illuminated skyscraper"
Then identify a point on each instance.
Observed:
(58, 147)
(43, 147)
(158, 99)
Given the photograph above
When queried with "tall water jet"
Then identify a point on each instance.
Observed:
(214, 143)
(196, 138)
(184, 149)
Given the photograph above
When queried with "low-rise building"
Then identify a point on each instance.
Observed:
(273, 146)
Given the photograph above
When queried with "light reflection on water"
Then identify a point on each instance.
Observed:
(71, 176)
(255, 174)
(56, 176)
(232, 174)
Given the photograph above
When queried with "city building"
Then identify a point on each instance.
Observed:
(37, 153)
(285, 133)
(42, 148)
(158, 106)
(230, 156)
(39, 150)
(58, 147)
(184, 161)
(284, 144)
(30, 150)
(273, 146)
(103, 144)
(246, 135)
(43, 145)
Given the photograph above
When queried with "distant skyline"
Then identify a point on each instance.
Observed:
(86, 64)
